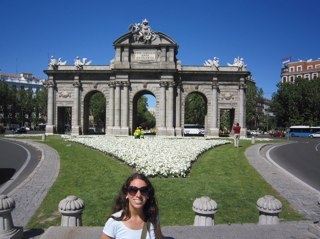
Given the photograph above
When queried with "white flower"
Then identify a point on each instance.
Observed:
(152, 155)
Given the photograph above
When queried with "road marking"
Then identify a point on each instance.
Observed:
(317, 147)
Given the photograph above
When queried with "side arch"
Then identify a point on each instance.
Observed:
(87, 129)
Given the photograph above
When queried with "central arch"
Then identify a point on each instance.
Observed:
(135, 120)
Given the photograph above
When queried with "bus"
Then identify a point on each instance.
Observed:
(302, 130)
(193, 129)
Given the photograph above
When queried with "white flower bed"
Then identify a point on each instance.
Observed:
(152, 155)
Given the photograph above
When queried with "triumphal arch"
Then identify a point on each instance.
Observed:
(144, 62)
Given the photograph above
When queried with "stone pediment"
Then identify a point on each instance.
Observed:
(160, 39)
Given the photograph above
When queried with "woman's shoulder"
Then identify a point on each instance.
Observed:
(115, 216)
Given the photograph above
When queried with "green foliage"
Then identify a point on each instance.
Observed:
(254, 99)
(222, 173)
(21, 107)
(195, 109)
(144, 117)
(298, 103)
(98, 108)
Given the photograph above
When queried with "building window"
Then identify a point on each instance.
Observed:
(309, 67)
(317, 66)
(291, 78)
(307, 76)
(284, 79)
(299, 76)
(314, 76)
(291, 69)
(299, 68)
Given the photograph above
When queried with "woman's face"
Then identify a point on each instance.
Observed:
(137, 194)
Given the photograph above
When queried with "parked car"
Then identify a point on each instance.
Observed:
(254, 132)
(277, 134)
(21, 130)
(315, 135)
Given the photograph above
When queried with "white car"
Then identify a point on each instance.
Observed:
(254, 132)
(315, 135)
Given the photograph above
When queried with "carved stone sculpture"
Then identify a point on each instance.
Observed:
(238, 62)
(54, 63)
(142, 32)
(79, 64)
(214, 62)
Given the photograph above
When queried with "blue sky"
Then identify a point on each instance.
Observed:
(262, 32)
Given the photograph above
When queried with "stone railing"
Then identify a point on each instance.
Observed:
(71, 209)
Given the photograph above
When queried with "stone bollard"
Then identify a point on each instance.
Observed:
(7, 229)
(71, 209)
(253, 140)
(43, 137)
(205, 208)
(269, 208)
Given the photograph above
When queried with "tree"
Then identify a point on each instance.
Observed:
(40, 102)
(144, 118)
(254, 102)
(4, 102)
(298, 103)
(98, 109)
(195, 109)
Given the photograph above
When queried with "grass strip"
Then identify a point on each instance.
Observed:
(222, 173)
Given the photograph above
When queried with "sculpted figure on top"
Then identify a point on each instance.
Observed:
(54, 63)
(142, 32)
(238, 62)
(79, 64)
(214, 62)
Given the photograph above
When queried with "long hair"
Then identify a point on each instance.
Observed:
(150, 209)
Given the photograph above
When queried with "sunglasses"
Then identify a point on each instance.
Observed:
(132, 190)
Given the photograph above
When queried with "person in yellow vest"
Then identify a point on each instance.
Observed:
(136, 133)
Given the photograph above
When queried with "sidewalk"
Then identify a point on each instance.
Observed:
(30, 194)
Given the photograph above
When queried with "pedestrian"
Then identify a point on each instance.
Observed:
(135, 213)
(236, 130)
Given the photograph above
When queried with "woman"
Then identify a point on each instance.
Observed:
(135, 212)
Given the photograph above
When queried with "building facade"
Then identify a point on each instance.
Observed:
(308, 70)
(24, 81)
(145, 62)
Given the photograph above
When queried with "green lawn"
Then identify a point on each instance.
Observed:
(222, 173)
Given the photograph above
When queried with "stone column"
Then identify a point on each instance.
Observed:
(76, 106)
(50, 127)
(111, 108)
(269, 208)
(242, 107)
(7, 229)
(117, 108)
(205, 208)
(125, 109)
(71, 209)
(162, 111)
(178, 129)
(214, 131)
(170, 109)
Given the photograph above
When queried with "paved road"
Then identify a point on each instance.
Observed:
(301, 158)
(17, 161)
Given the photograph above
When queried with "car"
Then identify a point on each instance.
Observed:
(277, 134)
(254, 132)
(21, 130)
(315, 135)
